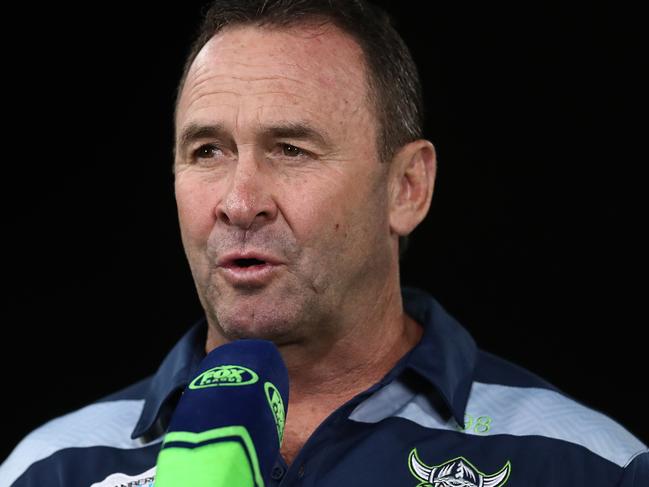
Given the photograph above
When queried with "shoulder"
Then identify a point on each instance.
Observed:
(524, 404)
(491, 368)
(637, 472)
(107, 422)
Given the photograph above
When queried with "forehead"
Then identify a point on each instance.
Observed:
(317, 69)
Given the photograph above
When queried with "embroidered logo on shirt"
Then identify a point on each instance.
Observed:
(225, 375)
(144, 479)
(458, 472)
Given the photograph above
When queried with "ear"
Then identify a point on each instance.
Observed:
(412, 178)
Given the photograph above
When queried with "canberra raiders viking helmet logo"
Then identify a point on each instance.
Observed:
(455, 473)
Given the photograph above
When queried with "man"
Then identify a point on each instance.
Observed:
(299, 167)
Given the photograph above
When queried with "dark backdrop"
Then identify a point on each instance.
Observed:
(531, 241)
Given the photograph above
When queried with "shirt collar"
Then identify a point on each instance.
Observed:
(445, 357)
(170, 380)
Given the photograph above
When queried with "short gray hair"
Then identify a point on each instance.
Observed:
(393, 81)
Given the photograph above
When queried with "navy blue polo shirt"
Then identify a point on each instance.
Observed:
(447, 414)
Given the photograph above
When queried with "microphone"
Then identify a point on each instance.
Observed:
(228, 426)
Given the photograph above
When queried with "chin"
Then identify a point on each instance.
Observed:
(256, 324)
(277, 313)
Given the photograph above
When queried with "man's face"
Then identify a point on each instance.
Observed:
(282, 200)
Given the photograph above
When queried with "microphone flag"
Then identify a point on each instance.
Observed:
(228, 425)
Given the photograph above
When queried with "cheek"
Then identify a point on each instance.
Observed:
(314, 206)
(195, 211)
(337, 218)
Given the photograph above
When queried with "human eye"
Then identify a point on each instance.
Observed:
(287, 151)
(290, 150)
(206, 151)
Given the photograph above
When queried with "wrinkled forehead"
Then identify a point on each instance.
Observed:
(313, 66)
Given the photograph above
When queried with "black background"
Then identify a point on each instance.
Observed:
(532, 241)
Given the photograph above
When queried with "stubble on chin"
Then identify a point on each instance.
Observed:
(234, 315)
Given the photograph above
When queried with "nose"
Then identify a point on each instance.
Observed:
(248, 200)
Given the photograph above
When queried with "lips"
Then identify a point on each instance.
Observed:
(248, 269)
(246, 259)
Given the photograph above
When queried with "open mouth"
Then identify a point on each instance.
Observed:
(250, 269)
(247, 262)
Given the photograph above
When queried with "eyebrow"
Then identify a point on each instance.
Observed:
(195, 131)
(298, 130)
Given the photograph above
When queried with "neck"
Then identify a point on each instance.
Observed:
(323, 378)
(326, 373)
(369, 336)
(369, 348)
